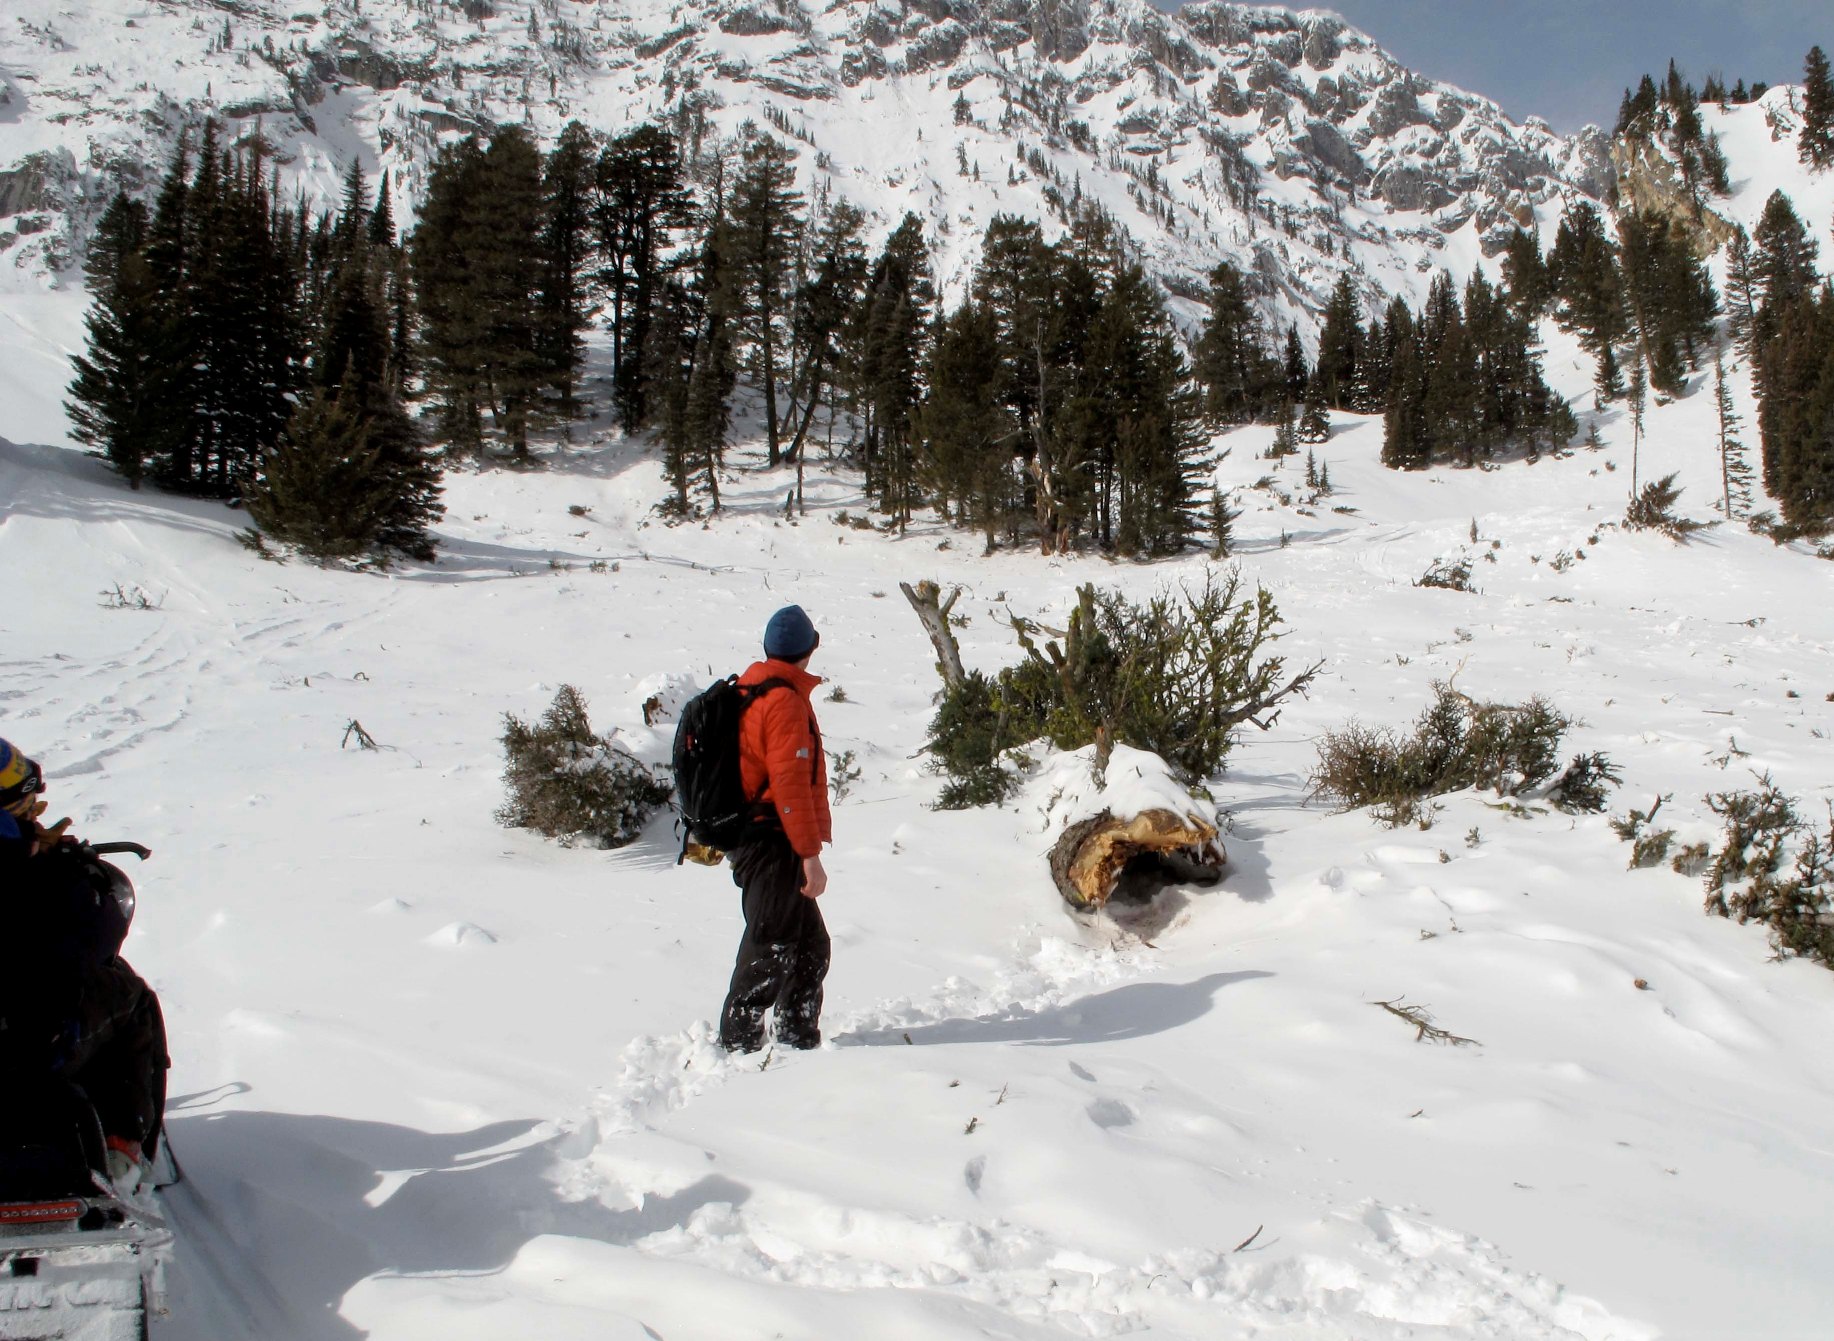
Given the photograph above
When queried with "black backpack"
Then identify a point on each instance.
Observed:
(715, 811)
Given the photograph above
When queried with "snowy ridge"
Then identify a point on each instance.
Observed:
(1289, 142)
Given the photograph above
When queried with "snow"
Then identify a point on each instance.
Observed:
(433, 1078)
(437, 1079)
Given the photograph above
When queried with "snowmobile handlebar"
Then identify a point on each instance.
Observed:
(110, 849)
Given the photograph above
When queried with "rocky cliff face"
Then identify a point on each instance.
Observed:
(1291, 144)
(1646, 178)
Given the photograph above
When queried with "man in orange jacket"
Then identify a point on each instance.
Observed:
(783, 956)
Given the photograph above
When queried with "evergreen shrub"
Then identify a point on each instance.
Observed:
(565, 782)
(1177, 676)
(1774, 868)
(1653, 509)
(1455, 743)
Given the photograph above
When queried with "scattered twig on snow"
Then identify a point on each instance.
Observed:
(1002, 1099)
(364, 739)
(1250, 1239)
(973, 1122)
(1425, 1030)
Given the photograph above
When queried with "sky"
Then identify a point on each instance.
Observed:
(1569, 61)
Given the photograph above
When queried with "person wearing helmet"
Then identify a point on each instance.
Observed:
(70, 1006)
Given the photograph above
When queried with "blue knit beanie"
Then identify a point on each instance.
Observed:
(790, 636)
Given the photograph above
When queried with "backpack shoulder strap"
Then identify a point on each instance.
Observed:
(763, 687)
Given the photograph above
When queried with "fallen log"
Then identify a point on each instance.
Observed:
(1105, 858)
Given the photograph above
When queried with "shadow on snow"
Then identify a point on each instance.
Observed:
(280, 1214)
(1132, 1010)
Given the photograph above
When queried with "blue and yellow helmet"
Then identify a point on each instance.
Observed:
(20, 779)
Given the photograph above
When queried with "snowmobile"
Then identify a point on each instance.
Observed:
(80, 1258)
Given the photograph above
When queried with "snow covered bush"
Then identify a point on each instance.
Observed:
(565, 782)
(1176, 676)
(1774, 868)
(1456, 743)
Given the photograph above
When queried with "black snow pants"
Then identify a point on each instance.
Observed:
(119, 1053)
(783, 956)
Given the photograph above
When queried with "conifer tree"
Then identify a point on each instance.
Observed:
(639, 203)
(1734, 469)
(1298, 372)
(1339, 346)
(1741, 290)
(1785, 254)
(454, 310)
(1670, 296)
(381, 229)
(320, 489)
(118, 398)
(1232, 362)
(1143, 413)
(1816, 146)
(348, 474)
(563, 296)
(826, 299)
(1637, 398)
(765, 220)
(1588, 290)
(238, 306)
(713, 359)
(896, 320)
(1796, 408)
(508, 269)
(967, 435)
(1406, 439)
(1525, 273)
(478, 267)
(1043, 301)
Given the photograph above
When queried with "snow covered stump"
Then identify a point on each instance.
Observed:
(1124, 831)
(1105, 858)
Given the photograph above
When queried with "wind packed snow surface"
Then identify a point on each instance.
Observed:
(437, 1079)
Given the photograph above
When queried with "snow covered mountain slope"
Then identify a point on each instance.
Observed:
(436, 1079)
(1288, 142)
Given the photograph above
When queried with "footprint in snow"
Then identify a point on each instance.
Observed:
(974, 1172)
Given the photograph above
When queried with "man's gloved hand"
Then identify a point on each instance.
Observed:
(51, 837)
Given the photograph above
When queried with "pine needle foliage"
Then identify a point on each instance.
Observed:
(323, 487)
(567, 783)
(1456, 743)
(1177, 675)
(1774, 868)
(1653, 509)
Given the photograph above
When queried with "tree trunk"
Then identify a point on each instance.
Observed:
(933, 611)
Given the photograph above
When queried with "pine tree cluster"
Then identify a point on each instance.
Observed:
(239, 348)
(1671, 115)
(1059, 403)
(1461, 381)
(1642, 295)
(1789, 333)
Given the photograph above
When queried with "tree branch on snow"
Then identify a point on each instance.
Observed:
(1425, 1031)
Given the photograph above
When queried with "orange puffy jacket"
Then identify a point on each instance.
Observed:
(780, 755)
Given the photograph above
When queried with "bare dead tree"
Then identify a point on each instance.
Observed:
(933, 612)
